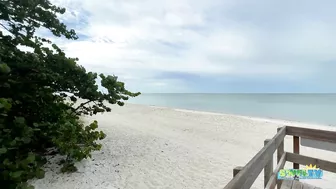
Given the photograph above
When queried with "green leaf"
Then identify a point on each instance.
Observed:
(13, 143)
(19, 120)
(24, 186)
(6, 130)
(5, 104)
(16, 174)
(30, 158)
(26, 140)
(4, 68)
(40, 173)
(3, 150)
(6, 162)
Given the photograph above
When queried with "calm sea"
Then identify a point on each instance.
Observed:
(310, 108)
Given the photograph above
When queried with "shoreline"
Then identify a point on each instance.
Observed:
(255, 118)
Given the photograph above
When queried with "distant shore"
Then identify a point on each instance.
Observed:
(157, 147)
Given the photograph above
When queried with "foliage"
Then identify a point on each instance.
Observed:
(34, 115)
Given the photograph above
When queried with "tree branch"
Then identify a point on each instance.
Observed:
(6, 28)
(83, 104)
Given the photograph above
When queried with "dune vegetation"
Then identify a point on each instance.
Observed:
(36, 77)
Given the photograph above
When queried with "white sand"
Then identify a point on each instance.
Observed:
(154, 147)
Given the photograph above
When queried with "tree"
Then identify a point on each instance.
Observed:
(34, 113)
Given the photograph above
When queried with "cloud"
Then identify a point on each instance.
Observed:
(216, 40)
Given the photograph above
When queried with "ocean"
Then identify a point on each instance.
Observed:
(309, 108)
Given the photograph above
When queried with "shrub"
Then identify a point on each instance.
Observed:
(34, 115)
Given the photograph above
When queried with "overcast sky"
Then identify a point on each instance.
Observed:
(207, 45)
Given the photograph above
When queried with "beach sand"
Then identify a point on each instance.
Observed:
(156, 147)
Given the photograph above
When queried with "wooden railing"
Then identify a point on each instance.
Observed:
(244, 177)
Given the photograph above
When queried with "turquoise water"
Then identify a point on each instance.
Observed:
(310, 108)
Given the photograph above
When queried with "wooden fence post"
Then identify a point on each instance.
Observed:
(236, 170)
(296, 150)
(280, 152)
(268, 169)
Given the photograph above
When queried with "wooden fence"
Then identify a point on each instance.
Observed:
(244, 177)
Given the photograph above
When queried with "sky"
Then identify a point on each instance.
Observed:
(206, 46)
